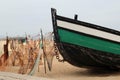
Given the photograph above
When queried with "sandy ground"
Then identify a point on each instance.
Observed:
(65, 71)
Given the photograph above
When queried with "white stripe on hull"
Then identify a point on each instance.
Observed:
(88, 30)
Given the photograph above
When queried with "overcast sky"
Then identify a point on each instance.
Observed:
(20, 16)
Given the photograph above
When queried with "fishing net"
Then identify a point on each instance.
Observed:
(49, 48)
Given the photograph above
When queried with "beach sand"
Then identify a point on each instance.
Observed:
(64, 71)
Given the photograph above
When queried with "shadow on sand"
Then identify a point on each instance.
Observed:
(96, 72)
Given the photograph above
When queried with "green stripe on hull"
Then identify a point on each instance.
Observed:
(90, 42)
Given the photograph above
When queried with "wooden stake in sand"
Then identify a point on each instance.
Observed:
(36, 64)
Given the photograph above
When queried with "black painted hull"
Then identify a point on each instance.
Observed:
(85, 57)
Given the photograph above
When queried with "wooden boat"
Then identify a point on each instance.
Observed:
(86, 45)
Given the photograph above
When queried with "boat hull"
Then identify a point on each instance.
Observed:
(86, 45)
(89, 58)
(81, 56)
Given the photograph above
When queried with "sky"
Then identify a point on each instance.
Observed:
(18, 17)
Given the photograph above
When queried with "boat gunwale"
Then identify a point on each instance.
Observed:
(85, 24)
(89, 25)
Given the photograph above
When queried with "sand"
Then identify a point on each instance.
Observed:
(13, 76)
(65, 71)
(62, 71)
